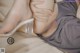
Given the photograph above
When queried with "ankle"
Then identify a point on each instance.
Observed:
(51, 30)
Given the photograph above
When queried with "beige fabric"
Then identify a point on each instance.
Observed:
(24, 43)
(59, 0)
(5, 7)
(30, 44)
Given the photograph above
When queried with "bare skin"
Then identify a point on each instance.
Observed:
(45, 24)
(78, 11)
(45, 13)
(20, 11)
(53, 27)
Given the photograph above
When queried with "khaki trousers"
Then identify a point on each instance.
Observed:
(25, 43)
(5, 7)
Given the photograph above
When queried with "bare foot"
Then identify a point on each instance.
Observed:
(20, 11)
(78, 12)
(45, 13)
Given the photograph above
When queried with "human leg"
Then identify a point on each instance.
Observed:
(19, 12)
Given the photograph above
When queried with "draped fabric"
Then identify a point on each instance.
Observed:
(23, 42)
(5, 7)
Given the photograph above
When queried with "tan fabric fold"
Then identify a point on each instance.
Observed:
(5, 7)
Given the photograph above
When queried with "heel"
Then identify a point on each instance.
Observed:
(29, 27)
